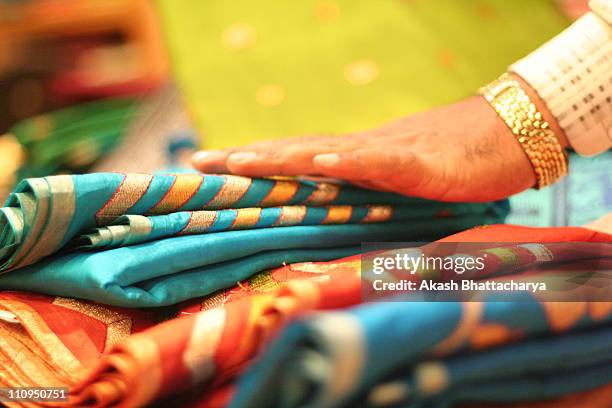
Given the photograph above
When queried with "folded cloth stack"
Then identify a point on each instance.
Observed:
(152, 240)
(140, 240)
(446, 354)
(440, 354)
(57, 341)
(377, 354)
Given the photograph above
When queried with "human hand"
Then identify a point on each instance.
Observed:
(460, 152)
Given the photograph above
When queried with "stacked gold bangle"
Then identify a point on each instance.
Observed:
(538, 141)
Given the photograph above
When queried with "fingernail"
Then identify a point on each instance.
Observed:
(207, 155)
(328, 159)
(242, 157)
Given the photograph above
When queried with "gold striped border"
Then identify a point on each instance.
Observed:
(199, 222)
(11, 375)
(291, 215)
(281, 193)
(325, 193)
(23, 361)
(338, 214)
(139, 229)
(246, 217)
(132, 188)
(36, 213)
(234, 187)
(539, 251)
(185, 186)
(14, 217)
(62, 206)
(215, 301)
(506, 255)
(61, 357)
(118, 326)
(325, 267)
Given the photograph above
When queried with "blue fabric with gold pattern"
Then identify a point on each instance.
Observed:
(434, 354)
(141, 240)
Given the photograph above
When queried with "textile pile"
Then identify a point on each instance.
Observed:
(208, 290)
(141, 240)
(179, 289)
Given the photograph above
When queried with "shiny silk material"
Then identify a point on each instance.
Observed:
(140, 240)
(384, 352)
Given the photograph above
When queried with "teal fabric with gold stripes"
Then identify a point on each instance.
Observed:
(150, 240)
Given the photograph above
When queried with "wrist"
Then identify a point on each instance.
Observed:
(530, 128)
(512, 157)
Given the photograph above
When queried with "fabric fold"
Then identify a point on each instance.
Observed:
(53, 341)
(407, 353)
(341, 359)
(140, 240)
(434, 352)
(310, 340)
(133, 229)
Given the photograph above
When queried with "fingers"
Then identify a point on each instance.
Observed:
(285, 158)
(291, 160)
(216, 161)
(337, 157)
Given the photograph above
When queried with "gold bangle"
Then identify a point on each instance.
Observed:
(512, 104)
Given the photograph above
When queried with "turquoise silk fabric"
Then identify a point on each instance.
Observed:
(343, 359)
(141, 240)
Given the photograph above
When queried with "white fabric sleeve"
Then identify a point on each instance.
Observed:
(572, 73)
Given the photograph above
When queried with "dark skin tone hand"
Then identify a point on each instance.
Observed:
(459, 152)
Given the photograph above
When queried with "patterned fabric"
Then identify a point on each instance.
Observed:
(72, 139)
(51, 341)
(206, 348)
(217, 336)
(275, 69)
(163, 226)
(573, 74)
(239, 318)
(455, 355)
(63, 141)
(440, 353)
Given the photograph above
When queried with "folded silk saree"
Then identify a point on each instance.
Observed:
(417, 354)
(446, 352)
(58, 341)
(48, 341)
(444, 355)
(141, 240)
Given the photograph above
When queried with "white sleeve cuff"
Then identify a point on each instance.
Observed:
(572, 73)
